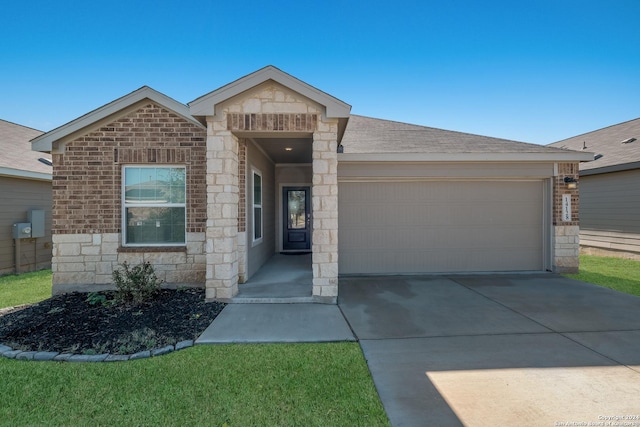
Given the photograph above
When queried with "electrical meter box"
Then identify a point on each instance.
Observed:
(36, 218)
(22, 230)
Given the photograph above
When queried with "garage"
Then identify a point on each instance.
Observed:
(439, 226)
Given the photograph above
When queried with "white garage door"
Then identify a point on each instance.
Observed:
(440, 226)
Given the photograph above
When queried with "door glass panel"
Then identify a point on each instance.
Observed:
(297, 212)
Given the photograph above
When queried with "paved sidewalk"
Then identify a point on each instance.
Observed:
(262, 323)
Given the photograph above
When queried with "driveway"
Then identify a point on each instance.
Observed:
(493, 350)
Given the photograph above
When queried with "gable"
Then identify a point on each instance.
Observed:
(207, 105)
(51, 140)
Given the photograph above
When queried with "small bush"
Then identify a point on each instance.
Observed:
(135, 284)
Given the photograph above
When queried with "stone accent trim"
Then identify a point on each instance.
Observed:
(325, 213)
(268, 122)
(82, 261)
(566, 249)
(222, 211)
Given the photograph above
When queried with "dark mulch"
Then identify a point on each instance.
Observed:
(70, 324)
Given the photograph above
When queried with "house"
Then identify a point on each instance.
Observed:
(209, 191)
(25, 186)
(610, 189)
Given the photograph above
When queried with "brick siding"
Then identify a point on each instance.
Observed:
(87, 177)
(560, 188)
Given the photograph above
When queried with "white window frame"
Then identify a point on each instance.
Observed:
(125, 205)
(255, 241)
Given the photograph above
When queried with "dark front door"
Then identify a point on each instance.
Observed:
(296, 208)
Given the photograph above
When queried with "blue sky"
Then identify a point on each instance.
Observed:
(536, 71)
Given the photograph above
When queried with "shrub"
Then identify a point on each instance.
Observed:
(135, 284)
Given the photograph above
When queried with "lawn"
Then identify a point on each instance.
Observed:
(614, 273)
(236, 385)
(25, 288)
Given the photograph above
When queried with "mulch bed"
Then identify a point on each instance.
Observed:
(69, 323)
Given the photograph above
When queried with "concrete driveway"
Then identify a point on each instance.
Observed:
(493, 350)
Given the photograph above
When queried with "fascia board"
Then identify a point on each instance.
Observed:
(18, 173)
(205, 105)
(467, 157)
(45, 142)
(612, 168)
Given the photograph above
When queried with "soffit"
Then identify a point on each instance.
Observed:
(276, 149)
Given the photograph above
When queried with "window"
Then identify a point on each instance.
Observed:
(257, 206)
(154, 207)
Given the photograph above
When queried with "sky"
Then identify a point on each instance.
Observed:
(538, 71)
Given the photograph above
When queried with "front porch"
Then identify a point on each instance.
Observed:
(269, 134)
(284, 279)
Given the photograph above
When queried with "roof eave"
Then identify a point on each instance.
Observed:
(44, 143)
(612, 168)
(572, 156)
(18, 173)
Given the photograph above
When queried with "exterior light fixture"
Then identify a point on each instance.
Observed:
(572, 183)
(628, 140)
(288, 149)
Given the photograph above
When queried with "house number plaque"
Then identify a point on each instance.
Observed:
(566, 207)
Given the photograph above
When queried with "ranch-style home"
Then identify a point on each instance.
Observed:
(209, 191)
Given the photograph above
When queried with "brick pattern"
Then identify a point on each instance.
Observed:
(269, 122)
(87, 177)
(566, 243)
(242, 184)
(560, 188)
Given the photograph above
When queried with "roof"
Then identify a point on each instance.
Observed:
(607, 142)
(46, 142)
(387, 140)
(17, 159)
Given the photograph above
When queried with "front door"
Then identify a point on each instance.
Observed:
(296, 208)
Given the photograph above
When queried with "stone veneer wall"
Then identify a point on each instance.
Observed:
(267, 109)
(566, 239)
(84, 262)
(87, 216)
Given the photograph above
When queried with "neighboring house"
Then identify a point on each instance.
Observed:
(25, 185)
(610, 189)
(208, 192)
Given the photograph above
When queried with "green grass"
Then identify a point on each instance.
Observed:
(26, 288)
(237, 384)
(614, 273)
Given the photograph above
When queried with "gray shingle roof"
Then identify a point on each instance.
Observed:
(15, 149)
(608, 143)
(369, 135)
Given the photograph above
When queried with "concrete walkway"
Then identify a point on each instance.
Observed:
(526, 350)
(484, 350)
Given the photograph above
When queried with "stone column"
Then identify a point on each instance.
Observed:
(325, 212)
(222, 211)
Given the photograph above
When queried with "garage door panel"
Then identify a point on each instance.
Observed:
(440, 226)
